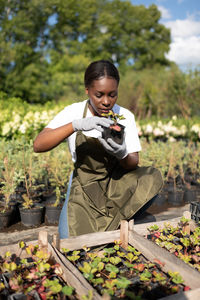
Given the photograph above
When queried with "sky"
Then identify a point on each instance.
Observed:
(183, 18)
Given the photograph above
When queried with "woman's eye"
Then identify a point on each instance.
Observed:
(98, 95)
(113, 95)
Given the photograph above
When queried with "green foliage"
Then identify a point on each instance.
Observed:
(46, 45)
(161, 92)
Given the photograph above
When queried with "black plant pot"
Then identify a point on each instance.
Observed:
(160, 199)
(189, 196)
(115, 135)
(195, 211)
(32, 217)
(52, 214)
(6, 218)
(175, 197)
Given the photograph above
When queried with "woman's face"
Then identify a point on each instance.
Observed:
(102, 94)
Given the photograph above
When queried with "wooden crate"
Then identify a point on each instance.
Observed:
(127, 236)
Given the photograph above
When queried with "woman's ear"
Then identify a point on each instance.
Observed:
(86, 91)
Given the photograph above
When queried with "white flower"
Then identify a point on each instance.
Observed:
(22, 128)
(174, 118)
(149, 128)
(158, 132)
(172, 139)
(6, 128)
(196, 128)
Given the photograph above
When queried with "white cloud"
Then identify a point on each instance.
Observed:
(184, 28)
(185, 46)
(164, 12)
(185, 51)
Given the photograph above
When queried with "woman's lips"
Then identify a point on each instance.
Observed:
(104, 111)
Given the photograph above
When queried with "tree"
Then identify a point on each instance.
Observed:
(46, 44)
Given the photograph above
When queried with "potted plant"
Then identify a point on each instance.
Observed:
(115, 131)
(57, 170)
(31, 213)
(31, 210)
(53, 210)
(8, 185)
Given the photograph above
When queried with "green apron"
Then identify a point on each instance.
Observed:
(102, 192)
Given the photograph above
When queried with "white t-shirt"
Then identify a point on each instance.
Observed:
(75, 111)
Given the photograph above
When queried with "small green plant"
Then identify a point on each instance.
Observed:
(27, 202)
(9, 182)
(176, 277)
(113, 116)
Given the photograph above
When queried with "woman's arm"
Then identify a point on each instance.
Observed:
(131, 161)
(49, 138)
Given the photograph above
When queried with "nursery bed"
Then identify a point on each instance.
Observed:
(180, 237)
(129, 235)
(15, 254)
(150, 251)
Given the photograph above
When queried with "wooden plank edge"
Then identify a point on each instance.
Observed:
(15, 248)
(124, 226)
(171, 263)
(73, 276)
(142, 228)
(90, 240)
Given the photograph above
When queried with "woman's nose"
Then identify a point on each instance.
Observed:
(106, 101)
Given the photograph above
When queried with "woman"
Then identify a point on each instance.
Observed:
(107, 185)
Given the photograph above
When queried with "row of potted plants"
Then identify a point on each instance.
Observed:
(30, 182)
(27, 178)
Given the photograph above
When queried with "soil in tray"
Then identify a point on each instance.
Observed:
(125, 273)
(180, 241)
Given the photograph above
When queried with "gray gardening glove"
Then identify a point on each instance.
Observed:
(119, 151)
(90, 123)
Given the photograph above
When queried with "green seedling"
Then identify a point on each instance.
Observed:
(158, 277)
(109, 251)
(89, 296)
(74, 256)
(115, 260)
(122, 283)
(113, 116)
(113, 270)
(176, 277)
(153, 228)
(145, 276)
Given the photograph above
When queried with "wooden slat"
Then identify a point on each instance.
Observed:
(124, 234)
(142, 228)
(73, 276)
(8, 238)
(14, 248)
(90, 240)
(189, 295)
(171, 263)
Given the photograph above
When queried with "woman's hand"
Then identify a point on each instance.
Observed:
(127, 160)
(117, 150)
(90, 123)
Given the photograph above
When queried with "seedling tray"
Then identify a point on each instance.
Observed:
(128, 237)
(180, 237)
(27, 266)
